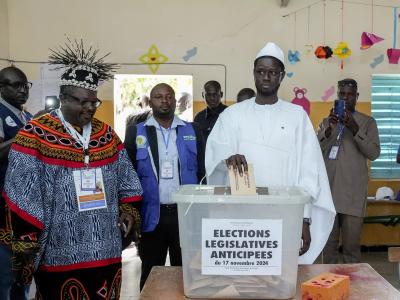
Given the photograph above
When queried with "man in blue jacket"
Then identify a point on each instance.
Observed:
(14, 92)
(166, 152)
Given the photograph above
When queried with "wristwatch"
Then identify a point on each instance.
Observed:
(307, 221)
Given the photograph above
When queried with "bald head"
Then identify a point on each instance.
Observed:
(11, 72)
(162, 86)
(14, 87)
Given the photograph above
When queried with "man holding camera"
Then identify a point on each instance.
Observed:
(348, 139)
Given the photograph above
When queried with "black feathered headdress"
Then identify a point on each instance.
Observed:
(82, 68)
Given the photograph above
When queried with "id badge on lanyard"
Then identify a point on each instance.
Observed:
(334, 152)
(88, 180)
(167, 165)
(89, 188)
(167, 169)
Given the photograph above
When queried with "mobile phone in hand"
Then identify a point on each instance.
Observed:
(339, 108)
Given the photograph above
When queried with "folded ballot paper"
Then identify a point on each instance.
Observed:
(244, 184)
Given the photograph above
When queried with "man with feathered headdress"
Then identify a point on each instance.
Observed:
(71, 190)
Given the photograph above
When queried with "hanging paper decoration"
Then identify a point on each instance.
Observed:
(342, 51)
(323, 52)
(300, 99)
(153, 58)
(369, 39)
(293, 56)
(308, 47)
(393, 53)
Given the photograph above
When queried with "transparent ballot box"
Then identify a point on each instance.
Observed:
(243, 247)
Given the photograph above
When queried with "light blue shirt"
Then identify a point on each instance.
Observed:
(166, 186)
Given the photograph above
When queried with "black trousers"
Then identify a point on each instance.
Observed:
(154, 246)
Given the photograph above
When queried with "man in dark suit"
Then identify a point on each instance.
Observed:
(208, 116)
(14, 92)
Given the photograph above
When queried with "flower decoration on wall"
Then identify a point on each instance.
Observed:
(153, 58)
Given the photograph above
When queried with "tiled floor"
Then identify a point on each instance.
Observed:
(131, 271)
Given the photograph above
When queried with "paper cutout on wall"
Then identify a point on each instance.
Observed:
(153, 58)
(328, 93)
(377, 60)
(393, 55)
(301, 99)
(293, 56)
(289, 74)
(190, 53)
(369, 39)
(308, 48)
(323, 52)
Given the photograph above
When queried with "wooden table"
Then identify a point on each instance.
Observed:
(377, 234)
(166, 283)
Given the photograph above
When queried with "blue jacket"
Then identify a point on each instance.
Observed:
(11, 125)
(141, 144)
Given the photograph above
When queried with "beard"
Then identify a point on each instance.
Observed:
(267, 92)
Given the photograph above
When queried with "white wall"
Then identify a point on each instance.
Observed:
(4, 46)
(228, 32)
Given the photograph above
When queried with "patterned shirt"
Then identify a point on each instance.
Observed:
(41, 195)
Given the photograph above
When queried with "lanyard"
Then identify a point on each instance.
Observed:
(340, 130)
(84, 139)
(25, 117)
(165, 140)
(340, 134)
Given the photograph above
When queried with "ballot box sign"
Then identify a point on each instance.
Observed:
(241, 246)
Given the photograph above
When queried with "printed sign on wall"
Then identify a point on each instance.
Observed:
(241, 247)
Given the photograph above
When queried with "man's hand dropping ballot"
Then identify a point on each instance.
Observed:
(242, 182)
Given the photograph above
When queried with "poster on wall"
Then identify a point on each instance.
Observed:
(241, 247)
(132, 94)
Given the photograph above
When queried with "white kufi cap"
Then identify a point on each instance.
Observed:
(271, 49)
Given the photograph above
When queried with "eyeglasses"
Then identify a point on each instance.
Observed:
(18, 85)
(85, 104)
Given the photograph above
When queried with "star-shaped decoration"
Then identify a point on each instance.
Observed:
(153, 58)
